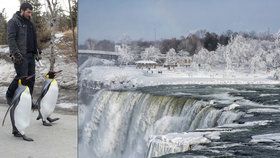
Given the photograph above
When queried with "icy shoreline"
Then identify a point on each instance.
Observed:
(130, 77)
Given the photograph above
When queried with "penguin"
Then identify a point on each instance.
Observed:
(20, 109)
(47, 100)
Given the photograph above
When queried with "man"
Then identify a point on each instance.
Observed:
(22, 41)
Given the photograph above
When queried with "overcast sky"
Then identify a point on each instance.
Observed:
(140, 19)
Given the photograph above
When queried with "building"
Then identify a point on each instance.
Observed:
(146, 64)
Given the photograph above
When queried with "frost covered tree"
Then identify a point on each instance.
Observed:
(125, 55)
(201, 60)
(276, 75)
(242, 54)
(171, 57)
(150, 53)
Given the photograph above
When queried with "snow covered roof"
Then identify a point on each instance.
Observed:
(145, 62)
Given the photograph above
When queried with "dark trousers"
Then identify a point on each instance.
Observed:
(26, 68)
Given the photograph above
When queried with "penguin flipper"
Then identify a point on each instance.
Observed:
(39, 115)
(17, 95)
(14, 102)
(43, 92)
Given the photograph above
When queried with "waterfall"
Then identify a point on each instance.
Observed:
(119, 124)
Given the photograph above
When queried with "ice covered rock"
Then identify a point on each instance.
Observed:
(273, 137)
(178, 142)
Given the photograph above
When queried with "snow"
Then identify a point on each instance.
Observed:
(59, 35)
(160, 145)
(171, 57)
(66, 105)
(92, 61)
(83, 51)
(151, 53)
(7, 71)
(180, 142)
(277, 74)
(247, 124)
(145, 62)
(264, 110)
(241, 54)
(224, 98)
(232, 106)
(176, 142)
(273, 137)
(4, 49)
(125, 55)
(264, 95)
(68, 76)
(138, 78)
(223, 146)
(242, 61)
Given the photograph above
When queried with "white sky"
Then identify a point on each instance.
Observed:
(11, 6)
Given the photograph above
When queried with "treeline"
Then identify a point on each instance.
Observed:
(41, 20)
(3, 27)
(192, 43)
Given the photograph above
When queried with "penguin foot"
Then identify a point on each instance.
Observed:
(17, 134)
(46, 124)
(38, 118)
(52, 120)
(27, 138)
(34, 106)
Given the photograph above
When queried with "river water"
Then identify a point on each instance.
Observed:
(181, 121)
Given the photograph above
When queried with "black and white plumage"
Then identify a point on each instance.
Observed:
(47, 100)
(20, 109)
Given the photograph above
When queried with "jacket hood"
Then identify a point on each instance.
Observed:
(18, 16)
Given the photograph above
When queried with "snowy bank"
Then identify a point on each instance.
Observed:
(177, 142)
(68, 77)
(4, 49)
(119, 77)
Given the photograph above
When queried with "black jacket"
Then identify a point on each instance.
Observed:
(22, 36)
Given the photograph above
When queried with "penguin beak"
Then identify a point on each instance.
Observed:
(29, 77)
(58, 72)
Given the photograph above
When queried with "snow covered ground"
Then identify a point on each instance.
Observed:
(67, 79)
(4, 49)
(129, 76)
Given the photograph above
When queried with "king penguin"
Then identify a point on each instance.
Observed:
(20, 109)
(47, 101)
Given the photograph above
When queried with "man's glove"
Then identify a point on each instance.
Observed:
(38, 55)
(16, 58)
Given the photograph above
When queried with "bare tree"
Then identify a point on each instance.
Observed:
(3, 27)
(72, 27)
(52, 5)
